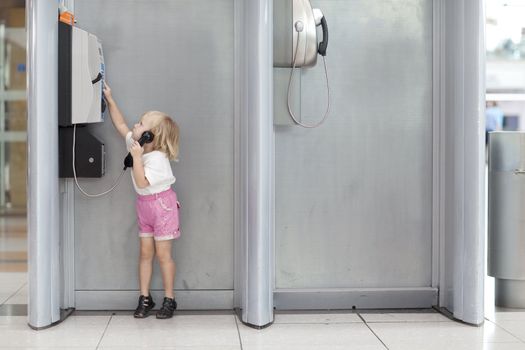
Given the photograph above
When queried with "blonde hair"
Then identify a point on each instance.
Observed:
(166, 133)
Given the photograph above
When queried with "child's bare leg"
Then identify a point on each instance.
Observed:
(147, 251)
(167, 265)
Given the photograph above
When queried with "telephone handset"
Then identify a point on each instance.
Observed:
(323, 44)
(147, 137)
(320, 20)
(100, 77)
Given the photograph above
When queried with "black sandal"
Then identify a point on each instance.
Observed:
(169, 305)
(144, 307)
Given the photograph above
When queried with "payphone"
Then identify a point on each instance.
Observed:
(296, 45)
(80, 81)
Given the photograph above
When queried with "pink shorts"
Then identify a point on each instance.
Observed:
(158, 215)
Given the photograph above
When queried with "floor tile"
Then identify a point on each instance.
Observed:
(54, 348)
(440, 335)
(405, 317)
(71, 333)
(309, 336)
(4, 296)
(350, 346)
(516, 328)
(178, 347)
(508, 315)
(11, 282)
(316, 318)
(463, 346)
(503, 346)
(191, 330)
(20, 297)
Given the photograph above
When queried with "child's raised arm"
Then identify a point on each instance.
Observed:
(116, 116)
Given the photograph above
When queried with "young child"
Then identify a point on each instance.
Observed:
(157, 206)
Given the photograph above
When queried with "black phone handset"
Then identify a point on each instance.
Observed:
(323, 44)
(147, 137)
(100, 77)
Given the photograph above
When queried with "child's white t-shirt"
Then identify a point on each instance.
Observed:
(157, 170)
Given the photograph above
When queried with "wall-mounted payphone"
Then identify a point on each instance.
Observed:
(80, 81)
(296, 45)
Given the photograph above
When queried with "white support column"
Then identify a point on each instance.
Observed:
(254, 19)
(43, 191)
(461, 106)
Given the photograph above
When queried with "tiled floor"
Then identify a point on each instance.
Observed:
(367, 330)
(301, 331)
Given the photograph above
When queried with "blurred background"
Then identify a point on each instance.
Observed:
(13, 156)
(505, 79)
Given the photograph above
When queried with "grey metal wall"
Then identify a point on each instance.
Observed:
(354, 197)
(177, 57)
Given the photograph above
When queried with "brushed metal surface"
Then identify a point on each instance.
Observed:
(288, 17)
(42, 182)
(506, 224)
(159, 56)
(354, 197)
(256, 164)
(509, 293)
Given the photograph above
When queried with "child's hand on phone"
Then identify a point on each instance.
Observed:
(107, 91)
(136, 149)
